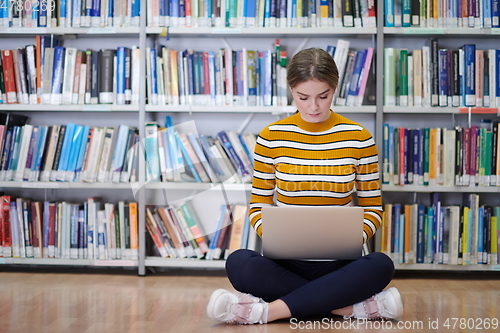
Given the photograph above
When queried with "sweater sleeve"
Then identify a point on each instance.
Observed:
(368, 186)
(263, 181)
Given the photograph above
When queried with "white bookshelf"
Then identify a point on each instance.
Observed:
(184, 263)
(440, 110)
(69, 107)
(438, 267)
(68, 262)
(440, 31)
(422, 188)
(259, 32)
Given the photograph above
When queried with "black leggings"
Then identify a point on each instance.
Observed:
(309, 287)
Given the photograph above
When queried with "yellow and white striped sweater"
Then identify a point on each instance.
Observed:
(316, 164)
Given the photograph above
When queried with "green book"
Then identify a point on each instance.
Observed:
(403, 77)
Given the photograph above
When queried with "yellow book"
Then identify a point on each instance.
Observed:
(134, 231)
(494, 241)
(465, 235)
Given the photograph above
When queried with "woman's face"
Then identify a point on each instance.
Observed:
(313, 99)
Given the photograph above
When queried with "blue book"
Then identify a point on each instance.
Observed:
(57, 75)
(486, 4)
(111, 8)
(356, 78)
(388, 13)
(210, 156)
(213, 76)
(120, 74)
(238, 163)
(95, 13)
(174, 150)
(406, 13)
(213, 241)
(119, 152)
(151, 152)
(440, 236)
(480, 235)
(420, 234)
(495, 13)
(443, 77)
(76, 12)
(79, 136)
(396, 218)
(65, 151)
(14, 153)
(201, 156)
(497, 76)
(429, 239)
(191, 174)
(82, 152)
(174, 10)
(168, 176)
(469, 75)
(39, 154)
(62, 11)
(153, 99)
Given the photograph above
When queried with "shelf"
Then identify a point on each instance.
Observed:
(437, 267)
(66, 185)
(250, 109)
(70, 107)
(440, 110)
(260, 32)
(68, 262)
(70, 31)
(441, 31)
(184, 263)
(197, 186)
(429, 189)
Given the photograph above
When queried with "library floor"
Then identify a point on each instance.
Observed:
(174, 301)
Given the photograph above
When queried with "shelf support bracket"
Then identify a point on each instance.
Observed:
(245, 123)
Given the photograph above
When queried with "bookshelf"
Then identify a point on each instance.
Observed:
(250, 118)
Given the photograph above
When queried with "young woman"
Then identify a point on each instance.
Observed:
(314, 157)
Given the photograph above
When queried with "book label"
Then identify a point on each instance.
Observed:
(495, 268)
(423, 31)
(495, 31)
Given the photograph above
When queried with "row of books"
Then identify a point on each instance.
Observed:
(77, 153)
(262, 13)
(189, 13)
(465, 234)
(70, 13)
(224, 77)
(462, 156)
(68, 153)
(48, 73)
(88, 230)
(434, 76)
(178, 233)
(178, 153)
(442, 14)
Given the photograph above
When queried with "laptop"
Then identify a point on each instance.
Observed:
(312, 232)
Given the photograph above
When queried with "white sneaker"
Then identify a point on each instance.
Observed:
(237, 308)
(384, 305)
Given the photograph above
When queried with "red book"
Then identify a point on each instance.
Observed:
(52, 230)
(9, 76)
(7, 241)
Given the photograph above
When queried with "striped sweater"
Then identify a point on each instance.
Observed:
(302, 163)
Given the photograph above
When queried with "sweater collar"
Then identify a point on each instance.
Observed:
(315, 127)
